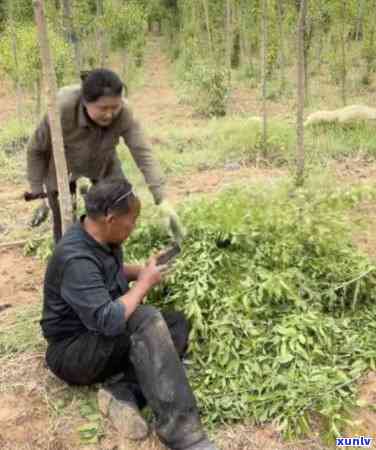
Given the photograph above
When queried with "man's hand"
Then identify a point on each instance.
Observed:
(151, 274)
(172, 221)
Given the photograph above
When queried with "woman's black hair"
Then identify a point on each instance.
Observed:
(115, 195)
(100, 82)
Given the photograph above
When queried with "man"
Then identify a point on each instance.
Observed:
(98, 329)
(94, 117)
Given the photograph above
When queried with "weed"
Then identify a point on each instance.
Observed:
(23, 333)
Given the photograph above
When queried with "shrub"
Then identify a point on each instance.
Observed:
(206, 86)
(276, 293)
(29, 69)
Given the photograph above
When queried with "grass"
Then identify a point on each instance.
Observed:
(21, 332)
(238, 140)
(217, 143)
(13, 139)
(338, 142)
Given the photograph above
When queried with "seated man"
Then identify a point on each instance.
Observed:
(98, 329)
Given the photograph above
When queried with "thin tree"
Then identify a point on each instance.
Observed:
(245, 45)
(207, 23)
(343, 51)
(308, 37)
(100, 34)
(54, 116)
(359, 19)
(229, 36)
(282, 58)
(70, 33)
(15, 57)
(300, 94)
(369, 37)
(264, 43)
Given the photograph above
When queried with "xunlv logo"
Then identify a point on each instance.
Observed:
(354, 442)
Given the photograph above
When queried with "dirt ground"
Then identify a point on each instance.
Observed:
(37, 411)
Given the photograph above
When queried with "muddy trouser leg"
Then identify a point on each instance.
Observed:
(162, 379)
(53, 202)
(119, 374)
(148, 356)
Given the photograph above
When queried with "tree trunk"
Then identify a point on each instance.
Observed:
(282, 57)
(242, 45)
(67, 20)
(54, 116)
(300, 94)
(100, 38)
(229, 42)
(359, 19)
(246, 45)
(308, 34)
(264, 43)
(319, 40)
(15, 57)
(207, 22)
(368, 34)
(343, 52)
(70, 33)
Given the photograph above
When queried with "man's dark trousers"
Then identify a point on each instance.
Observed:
(147, 355)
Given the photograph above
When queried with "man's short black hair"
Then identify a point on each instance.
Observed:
(115, 195)
(101, 82)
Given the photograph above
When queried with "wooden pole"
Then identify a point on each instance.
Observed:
(50, 84)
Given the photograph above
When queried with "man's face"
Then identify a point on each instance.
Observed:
(104, 110)
(119, 227)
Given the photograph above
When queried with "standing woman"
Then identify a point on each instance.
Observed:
(94, 117)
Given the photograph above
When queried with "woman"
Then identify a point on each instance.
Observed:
(94, 117)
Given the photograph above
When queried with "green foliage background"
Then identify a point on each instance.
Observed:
(28, 68)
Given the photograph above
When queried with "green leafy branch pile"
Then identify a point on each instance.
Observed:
(282, 305)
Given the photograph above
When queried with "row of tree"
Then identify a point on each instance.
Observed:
(338, 33)
(209, 38)
(83, 34)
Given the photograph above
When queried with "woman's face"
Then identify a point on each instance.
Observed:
(104, 110)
